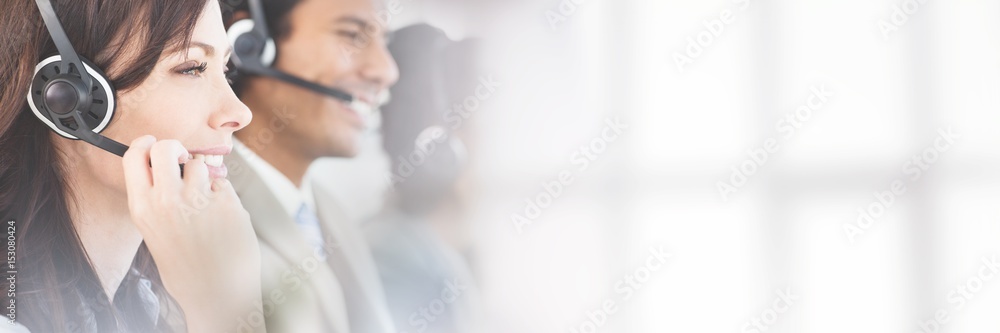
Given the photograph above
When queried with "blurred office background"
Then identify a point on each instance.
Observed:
(898, 71)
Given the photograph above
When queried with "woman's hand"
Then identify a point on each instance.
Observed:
(198, 233)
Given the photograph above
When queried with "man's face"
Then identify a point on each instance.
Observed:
(335, 43)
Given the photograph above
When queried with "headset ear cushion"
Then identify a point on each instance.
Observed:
(103, 99)
(244, 28)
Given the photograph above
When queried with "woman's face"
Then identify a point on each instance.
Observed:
(185, 98)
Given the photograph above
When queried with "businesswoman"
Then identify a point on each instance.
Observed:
(112, 244)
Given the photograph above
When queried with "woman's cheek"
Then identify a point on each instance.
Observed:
(106, 168)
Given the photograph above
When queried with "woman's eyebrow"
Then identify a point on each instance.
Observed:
(209, 49)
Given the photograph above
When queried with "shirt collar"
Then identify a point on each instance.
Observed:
(290, 197)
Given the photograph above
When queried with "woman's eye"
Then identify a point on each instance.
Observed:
(195, 70)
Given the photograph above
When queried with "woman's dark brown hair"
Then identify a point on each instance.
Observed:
(57, 289)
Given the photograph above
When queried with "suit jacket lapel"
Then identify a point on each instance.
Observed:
(279, 231)
(367, 302)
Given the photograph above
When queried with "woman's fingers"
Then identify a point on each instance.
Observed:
(225, 196)
(224, 189)
(165, 156)
(138, 179)
(196, 175)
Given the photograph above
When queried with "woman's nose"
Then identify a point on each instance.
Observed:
(231, 113)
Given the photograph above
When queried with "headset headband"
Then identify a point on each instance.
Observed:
(61, 90)
(69, 55)
(260, 21)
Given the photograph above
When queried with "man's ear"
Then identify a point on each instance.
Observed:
(236, 17)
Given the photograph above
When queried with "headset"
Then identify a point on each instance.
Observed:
(76, 105)
(71, 95)
(254, 52)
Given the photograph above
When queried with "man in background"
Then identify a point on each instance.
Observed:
(318, 274)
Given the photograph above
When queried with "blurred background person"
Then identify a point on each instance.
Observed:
(420, 240)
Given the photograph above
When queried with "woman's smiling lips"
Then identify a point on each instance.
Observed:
(213, 158)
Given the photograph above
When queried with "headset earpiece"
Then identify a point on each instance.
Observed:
(249, 46)
(54, 96)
